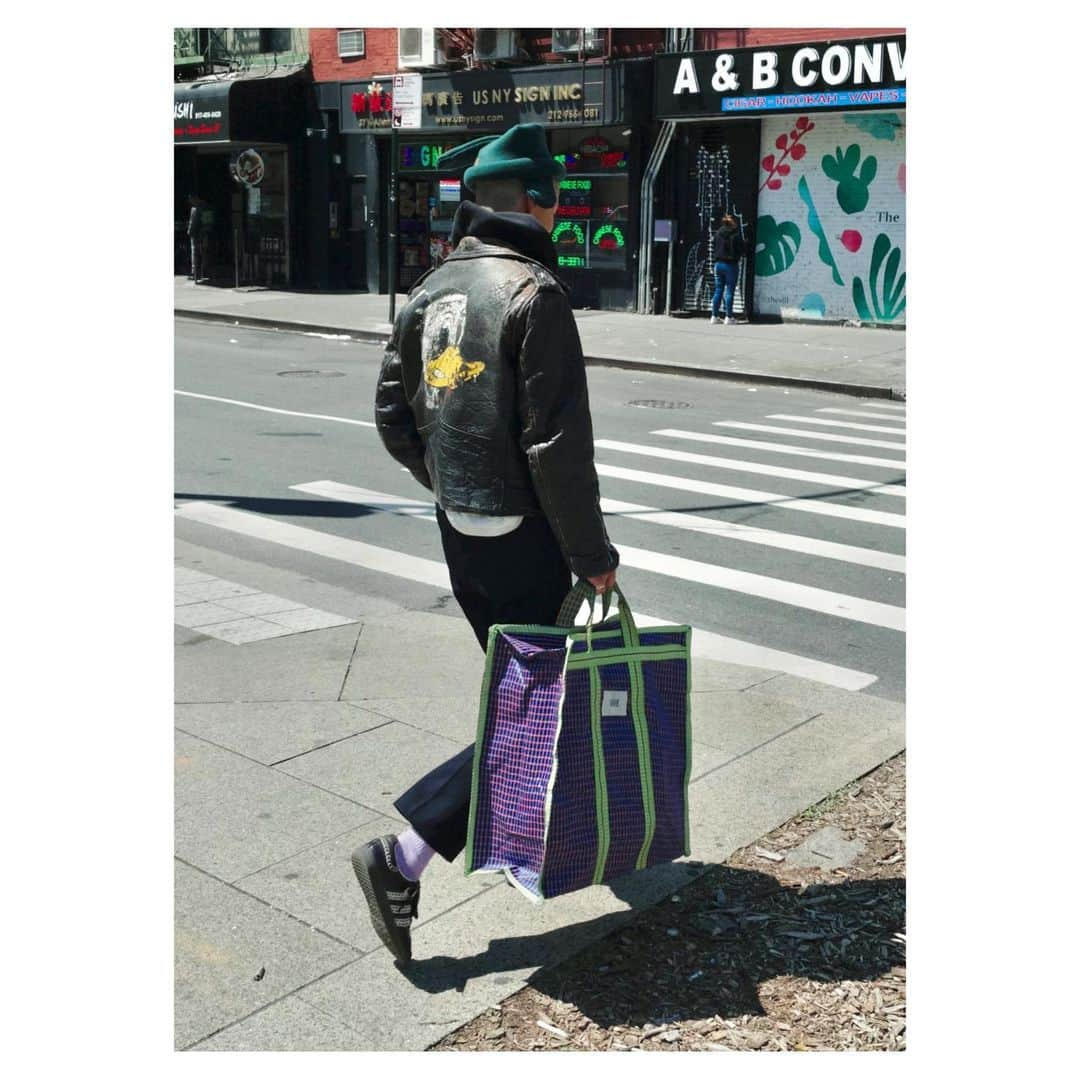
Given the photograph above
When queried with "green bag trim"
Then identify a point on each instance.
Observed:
(641, 732)
(643, 654)
(481, 731)
(603, 819)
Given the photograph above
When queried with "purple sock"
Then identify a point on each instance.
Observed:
(411, 854)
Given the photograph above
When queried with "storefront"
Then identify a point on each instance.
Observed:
(805, 146)
(587, 109)
(240, 146)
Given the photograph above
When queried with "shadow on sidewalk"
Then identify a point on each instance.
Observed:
(755, 930)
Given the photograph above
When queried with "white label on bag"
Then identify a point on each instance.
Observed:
(614, 703)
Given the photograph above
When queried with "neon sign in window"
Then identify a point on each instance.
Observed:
(608, 238)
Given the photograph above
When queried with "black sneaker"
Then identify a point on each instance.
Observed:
(392, 898)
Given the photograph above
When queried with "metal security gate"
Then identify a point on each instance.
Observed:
(720, 170)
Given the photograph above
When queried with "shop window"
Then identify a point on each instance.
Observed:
(350, 43)
(592, 221)
(275, 40)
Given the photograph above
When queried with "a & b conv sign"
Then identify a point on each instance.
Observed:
(822, 75)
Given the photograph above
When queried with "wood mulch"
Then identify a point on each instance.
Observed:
(756, 954)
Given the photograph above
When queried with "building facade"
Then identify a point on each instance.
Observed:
(591, 91)
(802, 140)
(246, 134)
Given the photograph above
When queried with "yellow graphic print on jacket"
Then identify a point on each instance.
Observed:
(450, 369)
(445, 369)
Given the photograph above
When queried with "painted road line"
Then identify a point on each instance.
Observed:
(884, 405)
(720, 577)
(730, 530)
(824, 436)
(354, 552)
(727, 530)
(868, 415)
(748, 495)
(738, 465)
(283, 412)
(834, 423)
(780, 448)
(376, 500)
(766, 588)
(706, 645)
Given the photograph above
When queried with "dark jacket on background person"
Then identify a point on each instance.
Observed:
(729, 245)
(482, 391)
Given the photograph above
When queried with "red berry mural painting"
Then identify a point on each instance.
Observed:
(841, 177)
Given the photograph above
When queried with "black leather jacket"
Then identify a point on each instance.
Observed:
(482, 392)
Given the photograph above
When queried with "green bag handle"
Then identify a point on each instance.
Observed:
(583, 591)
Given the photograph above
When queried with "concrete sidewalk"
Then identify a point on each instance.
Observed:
(290, 751)
(855, 360)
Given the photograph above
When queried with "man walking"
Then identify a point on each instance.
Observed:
(196, 231)
(482, 396)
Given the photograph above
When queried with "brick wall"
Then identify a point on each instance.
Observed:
(854, 268)
(742, 38)
(381, 56)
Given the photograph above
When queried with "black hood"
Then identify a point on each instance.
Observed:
(521, 231)
(728, 230)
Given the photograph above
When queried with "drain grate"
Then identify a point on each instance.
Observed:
(312, 373)
(653, 403)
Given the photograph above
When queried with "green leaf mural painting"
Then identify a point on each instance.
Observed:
(824, 251)
(777, 245)
(852, 192)
(890, 302)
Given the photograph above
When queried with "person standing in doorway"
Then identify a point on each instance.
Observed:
(726, 268)
(197, 235)
(482, 396)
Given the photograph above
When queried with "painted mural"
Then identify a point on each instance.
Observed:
(830, 235)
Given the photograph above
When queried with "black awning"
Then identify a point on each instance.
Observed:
(273, 106)
(201, 112)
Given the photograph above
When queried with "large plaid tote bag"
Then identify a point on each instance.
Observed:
(582, 760)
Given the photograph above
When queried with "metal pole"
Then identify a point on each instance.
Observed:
(236, 254)
(392, 254)
(671, 262)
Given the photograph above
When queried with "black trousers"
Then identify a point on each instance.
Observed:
(521, 577)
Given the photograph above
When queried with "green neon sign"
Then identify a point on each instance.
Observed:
(569, 226)
(609, 230)
(576, 185)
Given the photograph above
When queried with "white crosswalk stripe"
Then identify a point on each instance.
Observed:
(835, 423)
(786, 448)
(704, 644)
(866, 413)
(749, 495)
(779, 448)
(823, 436)
(825, 479)
(730, 530)
(785, 592)
(892, 407)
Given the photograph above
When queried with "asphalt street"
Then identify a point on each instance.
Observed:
(274, 430)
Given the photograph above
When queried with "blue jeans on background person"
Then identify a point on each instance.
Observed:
(727, 277)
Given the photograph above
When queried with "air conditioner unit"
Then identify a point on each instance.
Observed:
(419, 47)
(577, 40)
(495, 45)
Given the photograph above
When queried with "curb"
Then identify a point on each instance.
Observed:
(380, 338)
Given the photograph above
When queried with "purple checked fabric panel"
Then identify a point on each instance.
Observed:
(517, 755)
(665, 706)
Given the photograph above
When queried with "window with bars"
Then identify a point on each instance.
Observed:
(350, 43)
